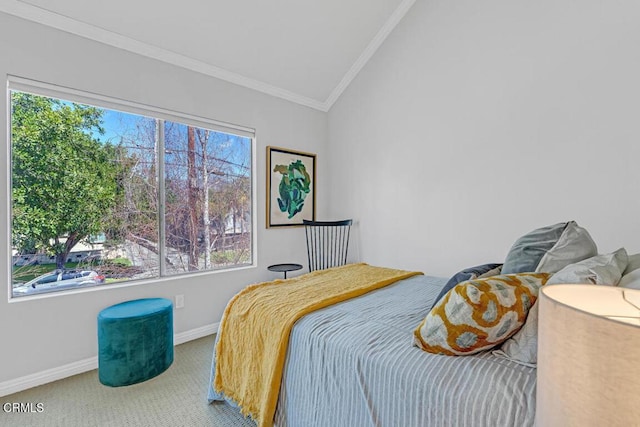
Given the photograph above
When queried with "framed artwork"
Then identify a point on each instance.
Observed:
(291, 187)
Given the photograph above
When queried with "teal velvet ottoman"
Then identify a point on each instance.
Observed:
(135, 341)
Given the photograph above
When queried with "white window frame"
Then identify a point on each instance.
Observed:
(15, 83)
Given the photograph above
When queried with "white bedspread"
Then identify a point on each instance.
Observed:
(353, 364)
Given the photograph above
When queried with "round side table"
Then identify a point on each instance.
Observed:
(283, 268)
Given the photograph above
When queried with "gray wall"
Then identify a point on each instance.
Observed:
(47, 333)
(476, 122)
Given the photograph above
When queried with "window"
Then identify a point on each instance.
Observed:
(121, 192)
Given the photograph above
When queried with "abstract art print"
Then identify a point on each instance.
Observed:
(291, 177)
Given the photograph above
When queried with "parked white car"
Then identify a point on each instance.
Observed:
(59, 280)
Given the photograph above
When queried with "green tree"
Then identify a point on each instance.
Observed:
(64, 179)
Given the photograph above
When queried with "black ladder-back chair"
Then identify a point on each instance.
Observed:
(327, 243)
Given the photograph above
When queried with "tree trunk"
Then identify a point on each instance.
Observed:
(60, 260)
(206, 219)
(192, 195)
(63, 251)
(204, 138)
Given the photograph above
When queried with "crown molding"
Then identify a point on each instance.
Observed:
(369, 51)
(73, 26)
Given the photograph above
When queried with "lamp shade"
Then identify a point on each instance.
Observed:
(588, 356)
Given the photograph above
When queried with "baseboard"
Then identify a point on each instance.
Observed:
(75, 368)
(43, 377)
(196, 333)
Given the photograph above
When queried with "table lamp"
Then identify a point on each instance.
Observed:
(588, 356)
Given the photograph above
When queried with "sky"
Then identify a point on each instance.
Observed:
(135, 132)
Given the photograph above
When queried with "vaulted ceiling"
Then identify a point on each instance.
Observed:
(306, 51)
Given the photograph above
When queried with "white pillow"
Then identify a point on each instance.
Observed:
(494, 272)
(575, 244)
(631, 280)
(522, 347)
(634, 264)
(599, 270)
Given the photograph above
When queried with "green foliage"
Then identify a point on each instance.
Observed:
(25, 273)
(294, 187)
(120, 262)
(229, 198)
(135, 211)
(64, 180)
(230, 257)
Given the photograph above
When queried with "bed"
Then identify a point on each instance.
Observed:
(358, 362)
(354, 364)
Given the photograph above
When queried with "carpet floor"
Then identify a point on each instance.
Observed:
(177, 397)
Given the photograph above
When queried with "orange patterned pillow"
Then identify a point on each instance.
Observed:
(477, 315)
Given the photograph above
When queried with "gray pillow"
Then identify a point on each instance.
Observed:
(599, 270)
(549, 249)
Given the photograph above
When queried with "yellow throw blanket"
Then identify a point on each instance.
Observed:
(255, 327)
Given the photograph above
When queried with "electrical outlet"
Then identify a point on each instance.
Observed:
(179, 301)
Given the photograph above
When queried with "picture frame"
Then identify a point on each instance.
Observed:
(291, 187)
